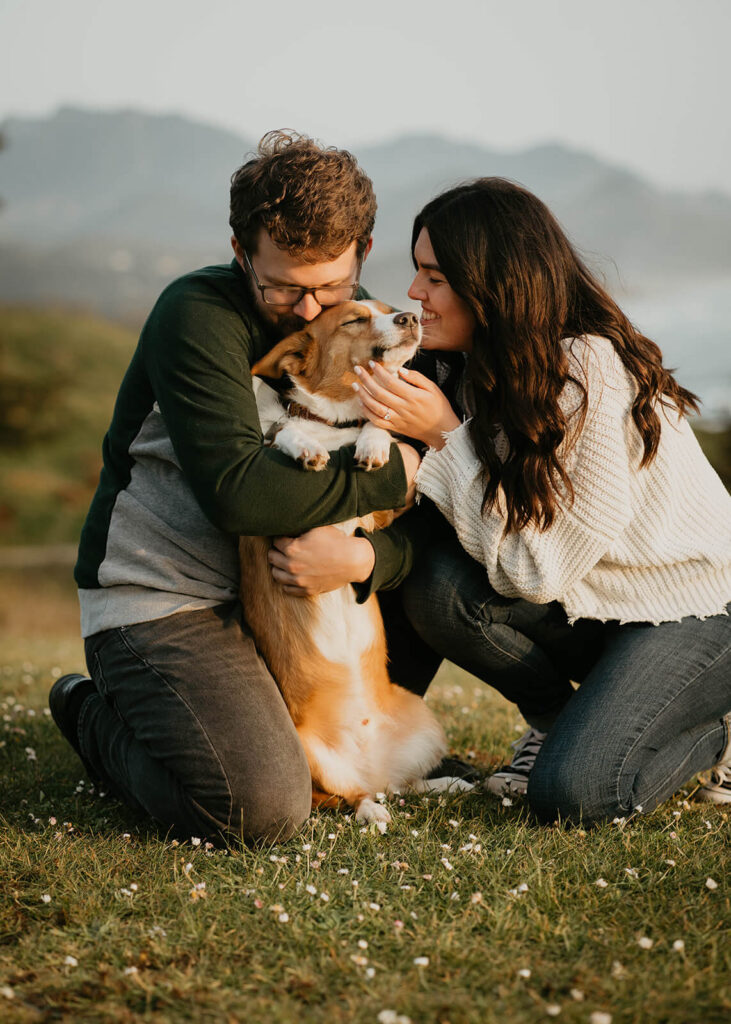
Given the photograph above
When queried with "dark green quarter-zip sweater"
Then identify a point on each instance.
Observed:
(186, 471)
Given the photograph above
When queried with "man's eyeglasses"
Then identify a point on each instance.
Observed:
(291, 294)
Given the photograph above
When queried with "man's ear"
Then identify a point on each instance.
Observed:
(238, 251)
(288, 356)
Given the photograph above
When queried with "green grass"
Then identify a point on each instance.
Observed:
(200, 937)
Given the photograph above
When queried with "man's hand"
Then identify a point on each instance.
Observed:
(320, 560)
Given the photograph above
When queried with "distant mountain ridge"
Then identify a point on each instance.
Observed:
(101, 208)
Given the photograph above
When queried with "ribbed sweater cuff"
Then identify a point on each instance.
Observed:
(446, 473)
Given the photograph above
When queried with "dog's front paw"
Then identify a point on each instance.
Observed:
(372, 448)
(316, 459)
(368, 811)
(301, 446)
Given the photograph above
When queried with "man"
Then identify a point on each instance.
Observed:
(181, 716)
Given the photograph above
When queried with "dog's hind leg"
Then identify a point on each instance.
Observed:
(327, 800)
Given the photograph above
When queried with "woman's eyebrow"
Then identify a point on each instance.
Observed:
(429, 266)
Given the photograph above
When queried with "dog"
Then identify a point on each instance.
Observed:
(363, 735)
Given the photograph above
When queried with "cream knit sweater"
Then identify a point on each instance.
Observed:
(650, 544)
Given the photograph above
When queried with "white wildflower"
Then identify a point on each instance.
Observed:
(645, 943)
(711, 884)
(421, 961)
(577, 995)
(553, 1009)
(678, 945)
(599, 1017)
(391, 1017)
(46, 898)
(524, 972)
(71, 961)
(601, 883)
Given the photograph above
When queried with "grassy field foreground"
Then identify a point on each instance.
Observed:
(463, 911)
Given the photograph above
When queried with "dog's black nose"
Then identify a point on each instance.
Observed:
(406, 319)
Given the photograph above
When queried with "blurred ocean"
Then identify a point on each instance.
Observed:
(692, 326)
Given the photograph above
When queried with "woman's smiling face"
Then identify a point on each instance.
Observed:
(446, 319)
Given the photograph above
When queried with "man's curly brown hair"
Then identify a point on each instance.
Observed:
(313, 201)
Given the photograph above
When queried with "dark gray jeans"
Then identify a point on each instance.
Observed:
(649, 712)
(189, 725)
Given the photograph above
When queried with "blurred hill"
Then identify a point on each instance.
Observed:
(103, 208)
(59, 375)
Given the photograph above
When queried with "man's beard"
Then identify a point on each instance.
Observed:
(280, 325)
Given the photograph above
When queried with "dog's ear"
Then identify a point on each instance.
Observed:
(288, 356)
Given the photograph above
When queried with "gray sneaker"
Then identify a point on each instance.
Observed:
(718, 788)
(512, 779)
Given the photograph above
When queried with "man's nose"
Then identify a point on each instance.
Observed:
(406, 319)
(308, 307)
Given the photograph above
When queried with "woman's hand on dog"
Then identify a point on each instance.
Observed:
(406, 403)
(320, 560)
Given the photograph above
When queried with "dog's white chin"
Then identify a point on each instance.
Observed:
(396, 356)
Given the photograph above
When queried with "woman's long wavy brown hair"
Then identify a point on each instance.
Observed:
(504, 253)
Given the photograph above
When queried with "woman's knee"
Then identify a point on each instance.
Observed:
(565, 789)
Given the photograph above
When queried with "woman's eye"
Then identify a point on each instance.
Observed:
(435, 280)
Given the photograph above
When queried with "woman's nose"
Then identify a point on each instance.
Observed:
(415, 290)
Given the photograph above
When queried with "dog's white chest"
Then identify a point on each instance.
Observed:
(344, 630)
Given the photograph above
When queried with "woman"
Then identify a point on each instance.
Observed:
(592, 538)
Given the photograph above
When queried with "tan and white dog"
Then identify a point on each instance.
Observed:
(362, 734)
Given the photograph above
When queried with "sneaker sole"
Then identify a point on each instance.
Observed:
(713, 796)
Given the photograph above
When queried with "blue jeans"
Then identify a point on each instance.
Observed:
(649, 711)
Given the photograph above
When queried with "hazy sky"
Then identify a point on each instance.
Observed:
(646, 83)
